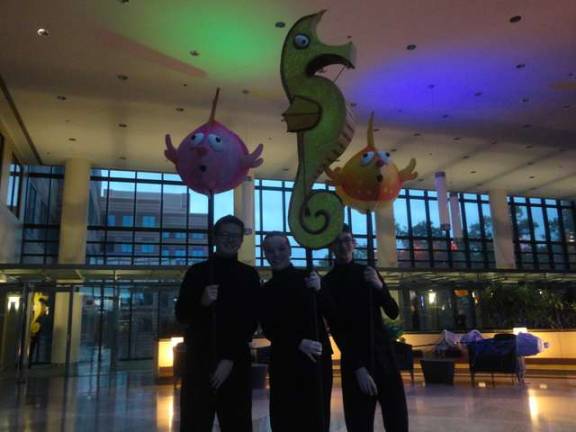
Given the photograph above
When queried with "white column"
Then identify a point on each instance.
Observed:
(72, 250)
(74, 217)
(386, 236)
(244, 209)
(502, 230)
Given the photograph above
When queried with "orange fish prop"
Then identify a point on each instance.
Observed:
(370, 179)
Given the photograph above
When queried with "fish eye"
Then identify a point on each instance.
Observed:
(367, 158)
(301, 41)
(197, 138)
(385, 156)
(216, 142)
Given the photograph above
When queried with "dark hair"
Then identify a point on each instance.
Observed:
(276, 234)
(346, 229)
(229, 219)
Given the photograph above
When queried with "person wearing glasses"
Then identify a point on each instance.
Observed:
(356, 294)
(300, 358)
(217, 304)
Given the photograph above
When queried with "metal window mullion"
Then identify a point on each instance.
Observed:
(106, 220)
(466, 238)
(161, 233)
(483, 238)
(410, 233)
(563, 239)
(516, 234)
(134, 218)
(552, 264)
(429, 231)
(532, 235)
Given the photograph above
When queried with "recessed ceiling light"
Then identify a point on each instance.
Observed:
(194, 53)
(245, 91)
(399, 110)
(349, 37)
(71, 139)
(526, 126)
(122, 77)
(42, 32)
(431, 86)
(473, 172)
(353, 104)
(525, 100)
(532, 177)
(411, 47)
(280, 24)
(62, 98)
(478, 94)
(466, 157)
(285, 169)
(457, 138)
(122, 125)
(567, 106)
(520, 66)
(179, 109)
(124, 1)
(516, 19)
(122, 158)
(445, 116)
(184, 85)
(417, 134)
(269, 138)
(420, 180)
(376, 129)
(529, 146)
(530, 163)
(429, 154)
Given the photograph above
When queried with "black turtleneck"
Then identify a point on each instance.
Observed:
(287, 312)
(235, 307)
(347, 296)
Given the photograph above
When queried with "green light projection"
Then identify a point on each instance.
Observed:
(236, 39)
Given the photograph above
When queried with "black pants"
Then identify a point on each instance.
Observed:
(300, 393)
(232, 402)
(359, 409)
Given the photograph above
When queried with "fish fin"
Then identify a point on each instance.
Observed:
(170, 151)
(333, 175)
(253, 159)
(408, 173)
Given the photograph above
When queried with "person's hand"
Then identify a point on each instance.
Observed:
(209, 295)
(371, 276)
(313, 281)
(311, 348)
(221, 373)
(365, 382)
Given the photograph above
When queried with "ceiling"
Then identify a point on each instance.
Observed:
(487, 94)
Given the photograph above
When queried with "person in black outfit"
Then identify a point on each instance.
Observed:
(216, 302)
(355, 294)
(300, 360)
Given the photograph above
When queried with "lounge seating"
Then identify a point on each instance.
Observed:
(497, 355)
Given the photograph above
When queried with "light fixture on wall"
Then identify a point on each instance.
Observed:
(13, 303)
(441, 189)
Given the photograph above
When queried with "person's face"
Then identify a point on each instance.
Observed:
(277, 251)
(343, 247)
(228, 240)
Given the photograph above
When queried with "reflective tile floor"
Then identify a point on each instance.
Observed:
(131, 401)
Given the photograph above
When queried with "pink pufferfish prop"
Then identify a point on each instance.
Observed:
(212, 158)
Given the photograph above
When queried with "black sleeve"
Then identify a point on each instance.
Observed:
(386, 301)
(188, 307)
(238, 324)
(340, 330)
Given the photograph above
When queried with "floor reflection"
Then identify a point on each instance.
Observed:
(132, 401)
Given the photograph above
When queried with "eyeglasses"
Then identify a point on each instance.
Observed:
(347, 240)
(229, 236)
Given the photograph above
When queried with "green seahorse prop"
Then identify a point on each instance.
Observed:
(318, 113)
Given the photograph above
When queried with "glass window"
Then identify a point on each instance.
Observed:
(14, 186)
